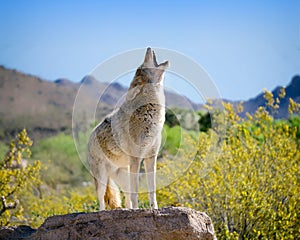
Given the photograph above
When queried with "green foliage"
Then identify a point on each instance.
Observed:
(294, 121)
(186, 118)
(171, 119)
(61, 164)
(249, 184)
(16, 177)
(173, 138)
(204, 121)
(3, 150)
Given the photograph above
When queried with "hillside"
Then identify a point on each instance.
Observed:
(45, 107)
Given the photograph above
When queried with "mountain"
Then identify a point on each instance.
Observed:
(45, 107)
(292, 91)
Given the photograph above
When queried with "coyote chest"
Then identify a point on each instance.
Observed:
(146, 123)
(131, 132)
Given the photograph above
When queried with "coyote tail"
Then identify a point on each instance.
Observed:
(112, 196)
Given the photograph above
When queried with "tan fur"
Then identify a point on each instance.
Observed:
(112, 197)
(130, 134)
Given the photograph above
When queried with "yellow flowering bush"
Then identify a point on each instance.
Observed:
(26, 198)
(16, 177)
(244, 173)
(58, 202)
(248, 183)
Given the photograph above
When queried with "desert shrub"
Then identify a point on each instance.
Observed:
(246, 177)
(25, 198)
(249, 183)
(16, 178)
(59, 201)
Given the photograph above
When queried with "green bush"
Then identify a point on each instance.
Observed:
(294, 121)
(61, 164)
(172, 139)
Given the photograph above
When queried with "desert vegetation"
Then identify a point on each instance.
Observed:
(248, 182)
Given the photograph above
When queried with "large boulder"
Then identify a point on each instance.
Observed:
(166, 223)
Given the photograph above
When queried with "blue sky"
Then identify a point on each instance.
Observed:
(245, 46)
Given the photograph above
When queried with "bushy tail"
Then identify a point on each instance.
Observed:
(112, 196)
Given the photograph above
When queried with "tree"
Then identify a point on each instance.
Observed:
(171, 118)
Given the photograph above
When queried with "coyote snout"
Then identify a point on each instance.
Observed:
(129, 135)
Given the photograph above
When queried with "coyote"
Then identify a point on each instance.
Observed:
(127, 136)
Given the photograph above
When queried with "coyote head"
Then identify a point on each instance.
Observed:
(149, 73)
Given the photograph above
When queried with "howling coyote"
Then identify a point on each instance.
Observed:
(129, 135)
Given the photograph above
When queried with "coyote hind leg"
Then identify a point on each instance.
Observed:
(112, 197)
(101, 185)
(98, 171)
(122, 178)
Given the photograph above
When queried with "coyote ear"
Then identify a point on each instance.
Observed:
(164, 65)
(132, 93)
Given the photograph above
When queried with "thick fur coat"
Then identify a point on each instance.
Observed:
(132, 133)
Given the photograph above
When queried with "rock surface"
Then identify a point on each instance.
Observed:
(16, 232)
(166, 223)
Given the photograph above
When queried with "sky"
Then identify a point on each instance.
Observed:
(244, 46)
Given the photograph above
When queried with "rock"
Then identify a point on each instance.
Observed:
(166, 223)
(15, 232)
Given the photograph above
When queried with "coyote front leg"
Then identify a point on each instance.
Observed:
(135, 164)
(150, 168)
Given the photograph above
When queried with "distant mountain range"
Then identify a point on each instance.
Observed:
(292, 91)
(45, 107)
